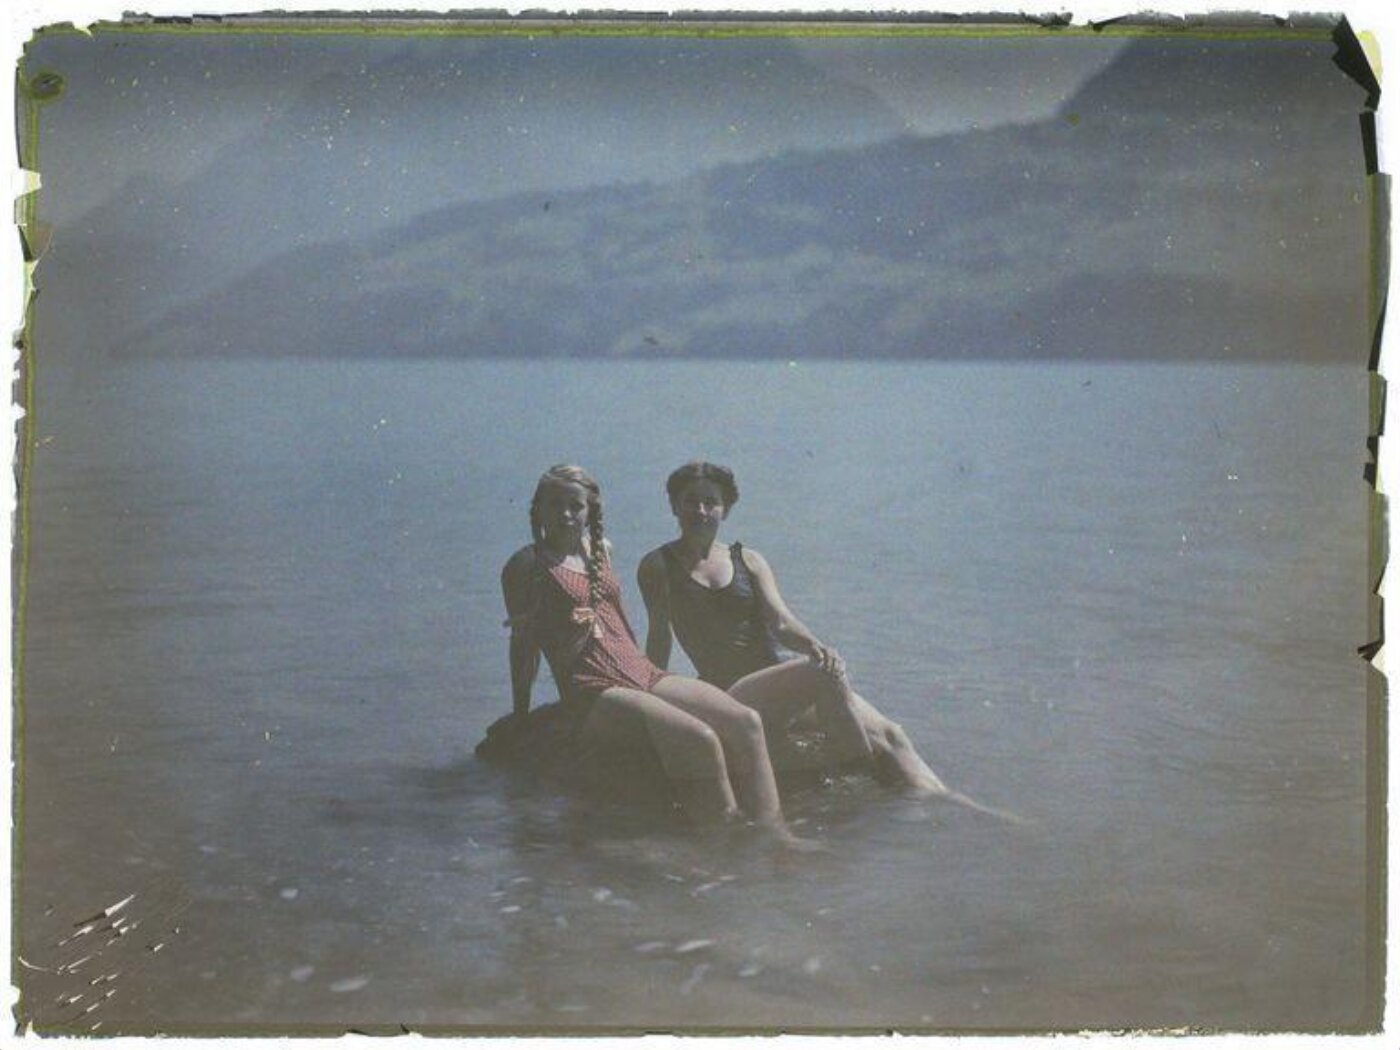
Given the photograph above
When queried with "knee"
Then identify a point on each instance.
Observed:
(813, 678)
(745, 724)
(704, 747)
(893, 737)
(828, 690)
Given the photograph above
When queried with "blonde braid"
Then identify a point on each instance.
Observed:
(598, 554)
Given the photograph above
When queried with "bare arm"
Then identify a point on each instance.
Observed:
(517, 581)
(651, 581)
(786, 627)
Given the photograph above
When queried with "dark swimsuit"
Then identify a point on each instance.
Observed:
(721, 629)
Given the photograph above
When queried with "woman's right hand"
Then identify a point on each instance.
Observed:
(829, 660)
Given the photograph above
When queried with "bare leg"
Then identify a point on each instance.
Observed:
(856, 729)
(690, 751)
(740, 731)
(783, 692)
(896, 760)
(898, 763)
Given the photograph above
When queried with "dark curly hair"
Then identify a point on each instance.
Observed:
(699, 470)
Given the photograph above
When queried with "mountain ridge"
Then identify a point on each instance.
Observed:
(1187, 224)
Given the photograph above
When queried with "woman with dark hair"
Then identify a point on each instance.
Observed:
(723, 603)
(564, 602)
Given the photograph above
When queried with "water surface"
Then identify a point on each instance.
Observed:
(263, 634)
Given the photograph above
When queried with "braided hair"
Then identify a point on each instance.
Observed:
(597, 556)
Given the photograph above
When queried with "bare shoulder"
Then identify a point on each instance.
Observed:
(755, 561)
(653, 561)
(519, 567)
(651, 570)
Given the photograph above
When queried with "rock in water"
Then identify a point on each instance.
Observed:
(546, 744)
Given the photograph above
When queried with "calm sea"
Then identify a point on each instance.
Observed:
(263, 633)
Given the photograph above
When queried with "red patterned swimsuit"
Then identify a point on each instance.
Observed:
(588, 649)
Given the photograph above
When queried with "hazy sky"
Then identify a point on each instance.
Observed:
(973, 83)
(179, 166)
(169, 106)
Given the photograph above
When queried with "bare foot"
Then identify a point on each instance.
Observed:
(944, 794)
(783, 836)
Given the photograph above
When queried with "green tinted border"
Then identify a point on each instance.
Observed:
(719, 26)
(29, 104)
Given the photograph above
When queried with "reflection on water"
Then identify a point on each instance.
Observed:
(263, 636)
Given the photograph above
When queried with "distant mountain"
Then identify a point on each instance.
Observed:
(373, 144)
(1195, 200)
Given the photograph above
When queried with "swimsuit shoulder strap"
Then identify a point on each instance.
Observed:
(545, 581)
(736, 554)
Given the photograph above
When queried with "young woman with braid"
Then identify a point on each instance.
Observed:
(564, 601)
(725, 608)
